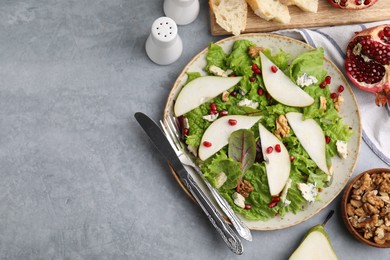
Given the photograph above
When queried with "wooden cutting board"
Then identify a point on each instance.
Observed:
(327, 15)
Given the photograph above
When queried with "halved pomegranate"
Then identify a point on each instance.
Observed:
(367, 62)
(352, 4)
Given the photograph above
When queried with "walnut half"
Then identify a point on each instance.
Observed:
(254, 51)
(244, 188)
(282, 128)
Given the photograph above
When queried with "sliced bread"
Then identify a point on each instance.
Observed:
(231, 15)
(270, 10)
(305, 5)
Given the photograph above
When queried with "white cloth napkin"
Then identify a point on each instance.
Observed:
(334, 40)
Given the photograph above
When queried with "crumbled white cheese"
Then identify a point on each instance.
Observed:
(308, 191)
(217, 71)
(331, 171)
(285, 190)
(248, 103)
(210, 117)
(186, 124)
(342, 149)
(220, 180)
(193, 149)
(304, 80)
(286, 203)
(239, 200)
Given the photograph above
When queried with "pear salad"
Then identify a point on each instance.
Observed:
(263, 127)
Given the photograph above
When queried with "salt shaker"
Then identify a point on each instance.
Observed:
(164, 45)
(182, 11)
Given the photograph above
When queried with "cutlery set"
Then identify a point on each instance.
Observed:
(167, 142)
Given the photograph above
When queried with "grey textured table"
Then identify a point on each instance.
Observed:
(78, 177)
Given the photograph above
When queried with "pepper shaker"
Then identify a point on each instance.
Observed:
(182, 11)
(164, 45)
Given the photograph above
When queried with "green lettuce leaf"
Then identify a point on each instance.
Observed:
(239, 60)
(197, 124)
(192, 76)
(215, 56)
(310, 63)
(280, 59)
(258, 199)
(220, 164)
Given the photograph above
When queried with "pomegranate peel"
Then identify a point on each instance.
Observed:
(367, 62)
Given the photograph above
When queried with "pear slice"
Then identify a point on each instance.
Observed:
(281, 88)
(217, 134)
(311, 136)
(201, 90)
(278, 164)
(315, 245)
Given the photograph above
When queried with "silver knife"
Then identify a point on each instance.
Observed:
(158, 138)
(187, 159)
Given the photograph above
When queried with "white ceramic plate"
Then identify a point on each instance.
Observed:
(343, 169)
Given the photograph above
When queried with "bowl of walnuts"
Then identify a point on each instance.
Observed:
(366, 207)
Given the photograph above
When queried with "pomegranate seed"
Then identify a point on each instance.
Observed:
(272, 204)
(186, 131)
(232, 122)
(254, 67)
(213, 106)
(277, 148)
(258, 72)
(233, 75)
(328, 79)
(327, 139)
(248, 206)
(269, 150)
(274, 69)
(275, 199)
(333, 95)
(340, 89)
(207, 144)
(223, 113)
(213, 112)
(260, 91)
(252, 79)
(292, 158)
(233, 93)
(268, 96)
(381, 34)
(386, 31)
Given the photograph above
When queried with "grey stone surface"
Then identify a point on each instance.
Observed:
(78, 177)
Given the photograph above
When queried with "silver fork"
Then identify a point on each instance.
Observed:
(172, 130)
